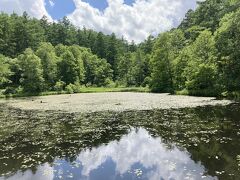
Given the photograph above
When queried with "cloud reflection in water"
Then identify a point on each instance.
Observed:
(136, 155)
(139, 149)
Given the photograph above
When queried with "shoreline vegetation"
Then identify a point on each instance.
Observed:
(81, 90)
(200, 57)
(226, 95)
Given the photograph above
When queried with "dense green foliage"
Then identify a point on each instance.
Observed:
(200, 57)
(37, 56)
(5, 71)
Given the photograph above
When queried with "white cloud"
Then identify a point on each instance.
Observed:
(35, 8)
(134, 22)
(51, 3)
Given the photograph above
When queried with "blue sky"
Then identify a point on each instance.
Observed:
(59, 8)
(133, 22)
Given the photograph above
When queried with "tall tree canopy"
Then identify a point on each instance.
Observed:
(201, 56)
(32, 72)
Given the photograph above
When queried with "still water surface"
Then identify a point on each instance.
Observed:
(192, 143)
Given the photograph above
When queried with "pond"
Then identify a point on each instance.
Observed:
(187, 143)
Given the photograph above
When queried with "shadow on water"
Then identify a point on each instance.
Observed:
(192, 143)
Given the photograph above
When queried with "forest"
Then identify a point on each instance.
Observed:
(199, 57)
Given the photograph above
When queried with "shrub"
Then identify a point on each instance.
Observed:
(73, 88)
(12, 90)
(69, 88)
(109, 83)
(59, 86)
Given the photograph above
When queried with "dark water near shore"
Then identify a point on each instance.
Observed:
(193, 143)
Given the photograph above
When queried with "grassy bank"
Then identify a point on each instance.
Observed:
(201, 93)
(228, 95)
(234, 95)
(81, 90)
(118, 89)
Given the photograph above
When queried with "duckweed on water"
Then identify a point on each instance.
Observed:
(34, 140)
